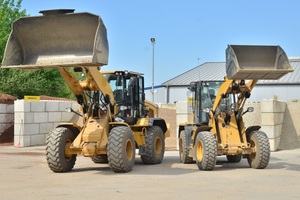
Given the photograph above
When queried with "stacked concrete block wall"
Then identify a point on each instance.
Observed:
(35, 119)
(290, 136)
(272, 113)
(6, 116)
(183, 111)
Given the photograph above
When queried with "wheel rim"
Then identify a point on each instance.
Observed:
(68, 155)
(158, 145)
(129, 149)
(199, 151)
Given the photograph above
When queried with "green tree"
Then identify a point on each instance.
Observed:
(25, 82)
(9, 12)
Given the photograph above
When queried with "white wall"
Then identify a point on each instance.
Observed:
(35, 119)
(283, 92)
(260, 92)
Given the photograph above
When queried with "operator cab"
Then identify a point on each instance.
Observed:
(204, 94)
(128, 90)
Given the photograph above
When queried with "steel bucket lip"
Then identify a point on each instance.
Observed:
(255, 62)
(62, 48)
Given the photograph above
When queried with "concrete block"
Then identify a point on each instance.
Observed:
(181, 107)
(181, 119)
(267, 106)
(10, 117)
(52, 106)
(4, 118)
(37, 139)
(54, 116)
(10, 108)
(31, 129)
(24, 117)
(18, 129)
(46, 127)
(272, 106)
(66, 116)
(3, 108)
(274, 143)
(272, 131)
(64, 105)
(40, 117)
(21, 141)
(279, 106)
(38, 106)
(22, 106)
(271, 118)
(2, 127)
(55, 124)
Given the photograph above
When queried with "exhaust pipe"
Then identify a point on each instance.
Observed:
(59, 38)
(256, 62)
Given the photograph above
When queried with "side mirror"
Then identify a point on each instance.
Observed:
(69, 109)
(192, 87)
(249, 109)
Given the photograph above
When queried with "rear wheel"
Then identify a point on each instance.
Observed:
(121, 149)
(206, 151)
(57, 145)
(259, 159)
(100, 159)
(184, 149)
(234, 158)
(155, 146)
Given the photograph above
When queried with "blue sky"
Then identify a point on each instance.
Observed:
(187, 33)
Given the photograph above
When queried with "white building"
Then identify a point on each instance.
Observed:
(175, 89)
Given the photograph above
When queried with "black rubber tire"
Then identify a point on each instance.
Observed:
(260, 158)
(184, 150)
(56, 142)
(234, 158)
(206, 151)
(121, 149)
(155, 146)
(100, 159)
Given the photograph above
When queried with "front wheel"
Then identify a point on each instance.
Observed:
(58, 143)
(259, 159)
(121, 149)
(155, 146)
(206, 150)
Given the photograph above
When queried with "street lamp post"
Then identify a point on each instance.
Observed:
(153, 43)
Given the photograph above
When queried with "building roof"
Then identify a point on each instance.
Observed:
(215, 71)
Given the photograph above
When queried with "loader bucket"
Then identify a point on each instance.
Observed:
(256, 62)
(58, 38)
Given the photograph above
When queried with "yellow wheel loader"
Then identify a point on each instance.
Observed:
(216, 127)
(116, 118)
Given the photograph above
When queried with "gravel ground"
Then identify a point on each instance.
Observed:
(24, 174)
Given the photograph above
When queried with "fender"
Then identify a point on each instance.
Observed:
(159, 122)
(250, 129)
(74, 127)
(188, 129)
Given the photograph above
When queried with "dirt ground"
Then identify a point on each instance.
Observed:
(24, 174)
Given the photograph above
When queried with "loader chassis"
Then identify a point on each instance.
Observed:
(116, 118)
(216, 125)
